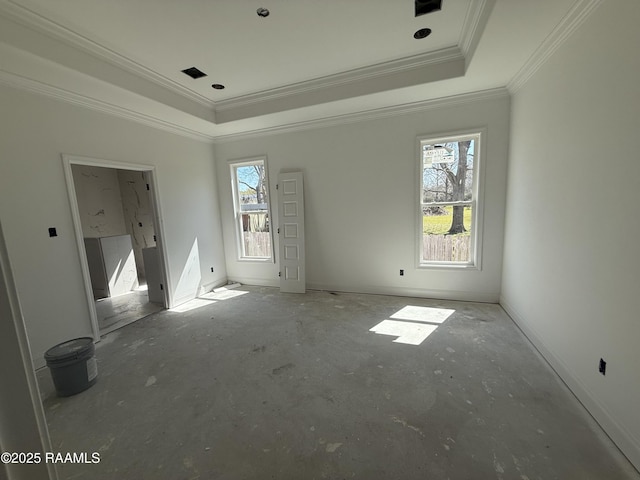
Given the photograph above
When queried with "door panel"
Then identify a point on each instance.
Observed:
(291, 232)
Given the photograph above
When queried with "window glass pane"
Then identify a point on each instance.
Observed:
(253, 204)
(447, 171)
(252, 187)
(446, 233)
(255, 235)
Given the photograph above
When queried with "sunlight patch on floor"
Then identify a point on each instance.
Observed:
(192, 305)
(422, 314)
(413, 325)
(407, 332)
(208, 299)
(223, 294)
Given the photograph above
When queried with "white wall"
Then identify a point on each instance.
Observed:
(34, 132)
(571, 267)
(360, 202)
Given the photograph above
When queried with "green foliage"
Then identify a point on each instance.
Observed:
(440, 224)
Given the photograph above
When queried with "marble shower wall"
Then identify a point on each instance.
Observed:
(115, 202)
(138, 214)
(99, 201)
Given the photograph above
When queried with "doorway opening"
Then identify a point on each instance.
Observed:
(116, 220)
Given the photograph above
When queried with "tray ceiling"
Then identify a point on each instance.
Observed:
(307, 60)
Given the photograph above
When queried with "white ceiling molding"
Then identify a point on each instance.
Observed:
(442, 65)
(353, 76)
(579, 12)
(474, 23)
(392, 111)
(22, 83)
(416, 69)
(51, 57)
(33, 20)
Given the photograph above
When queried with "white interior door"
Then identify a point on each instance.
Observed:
(291, 232)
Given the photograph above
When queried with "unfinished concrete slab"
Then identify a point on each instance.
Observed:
(254, 384)
(116, 312)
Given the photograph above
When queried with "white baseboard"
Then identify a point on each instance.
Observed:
(39, 361)
(624, 440)
(259, 282)
(375, 290)
(184, 299)
(207, 287)
(411, 292)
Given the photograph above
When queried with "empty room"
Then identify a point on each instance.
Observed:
(368, 239)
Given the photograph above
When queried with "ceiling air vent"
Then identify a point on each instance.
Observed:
(194, 73)
(427, 6)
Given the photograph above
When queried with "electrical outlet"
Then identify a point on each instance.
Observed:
(402, 273)
(602, 368)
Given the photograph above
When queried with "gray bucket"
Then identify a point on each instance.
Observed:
(73, 366)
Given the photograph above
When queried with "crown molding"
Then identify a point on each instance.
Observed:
(473, 27)
(52, 29)
(474, 23)
(23, 83)
(32, 86)
(374, 114)
(40, 24)
(352, 76)
(576, 16)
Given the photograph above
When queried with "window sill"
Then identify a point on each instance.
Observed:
(256, 259)
(447, 266)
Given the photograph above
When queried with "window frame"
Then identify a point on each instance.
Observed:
(237, 212)
(477, 201)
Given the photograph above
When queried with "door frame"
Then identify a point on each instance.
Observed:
(24, 425)
(154, 197)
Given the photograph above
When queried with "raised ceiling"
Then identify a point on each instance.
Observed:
(308, 60)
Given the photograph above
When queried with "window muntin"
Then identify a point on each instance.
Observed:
(448, 213)
(251, 208)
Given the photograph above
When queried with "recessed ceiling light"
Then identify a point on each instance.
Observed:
(218, 86)
(422, 33)
(194, 73)
(262, 12)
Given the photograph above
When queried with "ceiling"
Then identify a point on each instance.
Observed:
(308, 61)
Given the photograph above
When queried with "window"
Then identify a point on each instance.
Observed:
(251, 205)
(448, 215)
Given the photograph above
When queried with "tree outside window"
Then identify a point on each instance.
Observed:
(252, 209)
(447, 203)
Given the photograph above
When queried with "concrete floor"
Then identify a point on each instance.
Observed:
(116, 312)
(263, 385)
